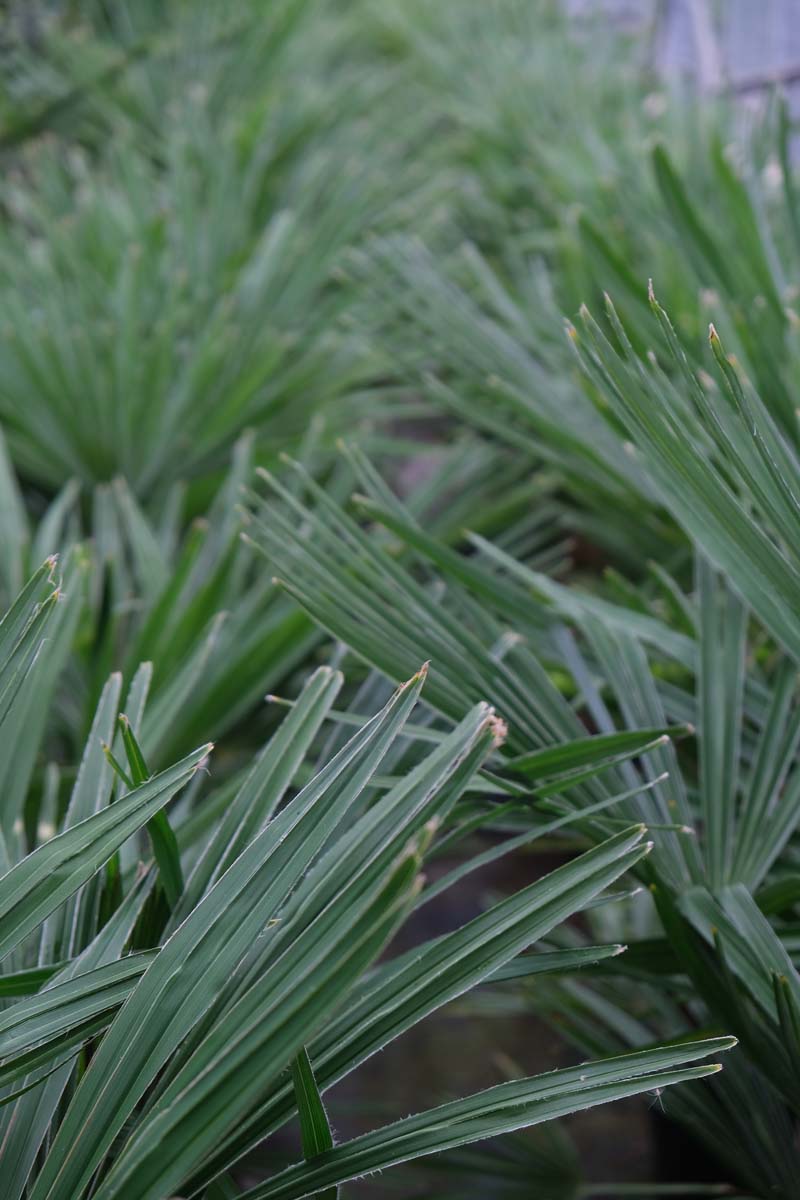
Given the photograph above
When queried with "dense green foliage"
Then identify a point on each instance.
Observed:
(329, 367)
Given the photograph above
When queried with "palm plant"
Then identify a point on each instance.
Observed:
(178, 282)
(162, 352)
(151, 1013)
(184, 596)
(82, 72)
(477, 328)
(718, 911)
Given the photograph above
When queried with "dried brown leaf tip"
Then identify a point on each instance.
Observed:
(499, 730)
(422, 674)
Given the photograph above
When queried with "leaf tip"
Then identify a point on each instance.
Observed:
(424, 839)
(498, 728)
